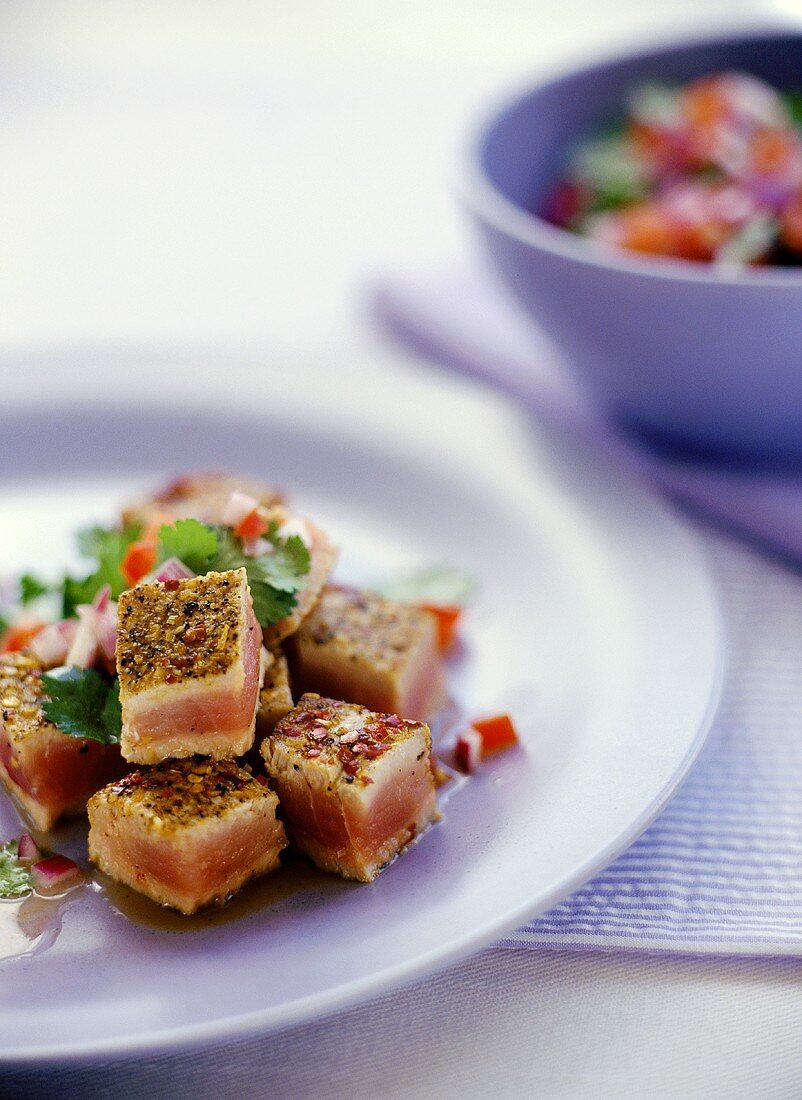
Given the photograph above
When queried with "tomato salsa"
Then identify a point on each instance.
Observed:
(709, 171)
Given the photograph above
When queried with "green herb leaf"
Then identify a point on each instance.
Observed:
(15, 877)
(4, 624)
(286, 568)
(83, 704)
(614, 175)
(793, 101)
(31, 588)
(272, 578)
(193, 542)
(438, 584)
(112, 716)
(108, 547)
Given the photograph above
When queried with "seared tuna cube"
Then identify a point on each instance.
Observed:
(189, 662)
(49, 773)
(366, 649)
(355, 787)
(186, 833)
(275, 698)
(198, 496)
(323, 558)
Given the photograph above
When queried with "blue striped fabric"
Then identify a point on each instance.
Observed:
(721, 869)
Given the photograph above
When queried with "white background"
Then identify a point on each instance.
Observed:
(237, 174)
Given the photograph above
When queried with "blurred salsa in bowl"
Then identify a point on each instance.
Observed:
(691, 335)
(708, 170)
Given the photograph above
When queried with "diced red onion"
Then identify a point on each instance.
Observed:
(686, 203)
(50, 646)
(67, 629)
(96, 633)
(732, 205)
(257, 548)
(55, 874)
(106, 631)
(173, 570)
(774, 191)
(83, 651)
(752, 100)
(101, 600)
(27, 848)
(468, 750)
(237, 507)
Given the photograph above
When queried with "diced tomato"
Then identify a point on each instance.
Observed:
(447, 616)
(19, 635)
(704, 103)
(773, 150)
(647, 228)
(139, 560)
(497, 733)
(468, 750)
(253, 526)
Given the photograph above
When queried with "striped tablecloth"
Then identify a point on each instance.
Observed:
(720, 870)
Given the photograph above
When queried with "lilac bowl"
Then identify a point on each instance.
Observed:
(680, 350)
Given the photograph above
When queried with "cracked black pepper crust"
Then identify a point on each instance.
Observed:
(21, 696)
(364, 628)
(177, 631)
(181, 793)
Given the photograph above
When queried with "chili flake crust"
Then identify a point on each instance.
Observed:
(355, 786)
(345, 737)
(175, 631)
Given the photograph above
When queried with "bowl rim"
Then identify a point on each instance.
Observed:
(480, 196)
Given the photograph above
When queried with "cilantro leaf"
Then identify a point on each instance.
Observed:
(15, 877)
(31, 588)
(272, 578)
(83, 704)
(75, 592)
(4, 624)
(287, 566)
(112, 715)
(269, 605)
(193, 542)
(793, 101)
(108, 547)
(441, 584)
